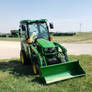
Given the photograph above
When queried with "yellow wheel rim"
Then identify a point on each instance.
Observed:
(22, 59)
(34, 69)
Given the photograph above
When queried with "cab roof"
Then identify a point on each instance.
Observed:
(31, 21)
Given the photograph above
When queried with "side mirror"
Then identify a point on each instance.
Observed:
(23, 28)
(19, 33)
(51, 25)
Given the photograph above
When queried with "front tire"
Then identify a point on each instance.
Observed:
(35, 65)
(34, 68)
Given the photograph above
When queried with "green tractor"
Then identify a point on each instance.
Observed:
(14, 33)
(48, 59)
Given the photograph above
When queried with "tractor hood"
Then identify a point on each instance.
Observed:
(45, 43)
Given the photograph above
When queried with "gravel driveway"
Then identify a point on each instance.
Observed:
(9, 49)
(78, 49)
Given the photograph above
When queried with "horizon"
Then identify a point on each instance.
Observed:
(66, 15)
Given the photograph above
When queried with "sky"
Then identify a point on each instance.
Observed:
(66, 15)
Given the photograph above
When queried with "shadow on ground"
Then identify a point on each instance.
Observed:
(18, 70)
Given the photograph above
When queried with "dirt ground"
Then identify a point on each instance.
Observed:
(10, 49)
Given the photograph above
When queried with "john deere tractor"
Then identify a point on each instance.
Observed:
(48, 59)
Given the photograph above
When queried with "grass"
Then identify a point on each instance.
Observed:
(78, 38)
(15, 77)
(9, 39)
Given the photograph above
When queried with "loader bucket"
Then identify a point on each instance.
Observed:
(61, 71)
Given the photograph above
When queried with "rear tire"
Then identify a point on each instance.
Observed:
(23, 58)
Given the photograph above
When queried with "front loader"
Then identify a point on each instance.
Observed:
(48, 59)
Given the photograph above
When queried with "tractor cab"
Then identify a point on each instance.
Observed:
(34, 29)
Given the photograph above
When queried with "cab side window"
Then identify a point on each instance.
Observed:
(23, 28)
(24, 31)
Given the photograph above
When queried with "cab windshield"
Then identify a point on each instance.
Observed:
(40, 29)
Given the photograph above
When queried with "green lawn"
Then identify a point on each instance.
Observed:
(79, 38)
(15, 77)
(9, 39)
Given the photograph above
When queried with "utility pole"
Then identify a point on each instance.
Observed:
(80, 27)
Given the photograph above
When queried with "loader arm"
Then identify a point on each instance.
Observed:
(63, 50)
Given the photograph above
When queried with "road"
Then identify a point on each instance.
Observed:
(10, 49)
